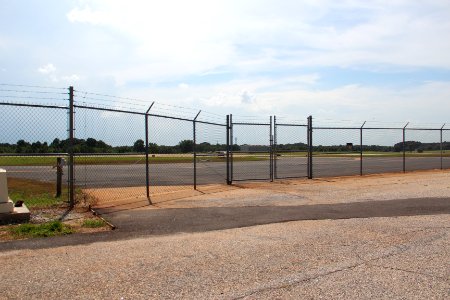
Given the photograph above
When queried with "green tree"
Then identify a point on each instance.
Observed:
(186, 146)
(139, 146)
(152, 148)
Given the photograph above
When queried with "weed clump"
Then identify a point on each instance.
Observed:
(28, 230)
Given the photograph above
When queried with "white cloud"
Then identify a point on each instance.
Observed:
(71, 78)
(252, 56)
(86, 15)
(348, 102)
(167, 39)
(47, 69)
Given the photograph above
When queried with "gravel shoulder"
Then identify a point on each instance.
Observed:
(397, 256)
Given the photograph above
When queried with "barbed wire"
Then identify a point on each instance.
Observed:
(138, 105)
(31, 97)
(33, 86)
(34, 92)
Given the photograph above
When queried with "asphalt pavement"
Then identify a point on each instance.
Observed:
(130, 175)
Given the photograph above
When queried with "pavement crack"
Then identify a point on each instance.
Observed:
(389, 252)
(297, 281)
(410, 271)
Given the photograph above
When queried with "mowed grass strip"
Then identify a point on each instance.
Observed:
(366, 154)
(117, 160)
(140, 159)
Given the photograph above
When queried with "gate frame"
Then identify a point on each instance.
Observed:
(230, 152)
(275, 152)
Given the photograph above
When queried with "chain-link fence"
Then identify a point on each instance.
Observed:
(421, 152)
(210, 151)
(379, 153)
(251, 150)
(445, 148)
(32, 139)
(290, 149)
(109, 164)
(336, 151)
(114, 148)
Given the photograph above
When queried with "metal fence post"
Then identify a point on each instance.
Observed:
(147, 141)
(271, 151)
(442, 150)
(361, 149)
(231, 151)
(404, 148)
(71, 155)
(275, 157)
(228, 150)
(59, 174)
(194, 148)
(310, 148)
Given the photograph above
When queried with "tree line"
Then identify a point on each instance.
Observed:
(91, 145)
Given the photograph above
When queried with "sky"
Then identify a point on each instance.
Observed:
(383, 61)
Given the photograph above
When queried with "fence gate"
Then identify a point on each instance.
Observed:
(290, 150)
(251, 150)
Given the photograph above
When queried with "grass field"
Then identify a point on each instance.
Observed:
(163, 159)
(367, 154)
(114, 160)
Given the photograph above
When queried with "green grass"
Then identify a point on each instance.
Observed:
(113, 160)
(36, 201)
(40, 230)
(35, 194)
(93, 223)
(140, 159)
(367, 154)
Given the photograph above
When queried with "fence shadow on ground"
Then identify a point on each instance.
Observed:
(140, 223)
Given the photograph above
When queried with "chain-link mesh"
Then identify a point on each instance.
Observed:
(211, 146)
(251, 154)
(32, 139)
(422, 149)
(291, 150)
(110, 147)
(336, 152)
(382, 150)
(109, 154)
(446, 149)
(171, 161)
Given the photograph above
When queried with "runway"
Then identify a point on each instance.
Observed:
(98, 176)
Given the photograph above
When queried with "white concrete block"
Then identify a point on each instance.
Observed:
(3, 187)
(6, 207)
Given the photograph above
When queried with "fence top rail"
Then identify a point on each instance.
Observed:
(211, 123)
(109, 109)
(34, 105)
(380, 128)
(348, 128)
(290, 124)
(424, 129)
(170, 117)
(249, 123)
(143, 114)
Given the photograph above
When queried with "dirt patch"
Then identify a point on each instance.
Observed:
(134, 197)
(292, 192)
